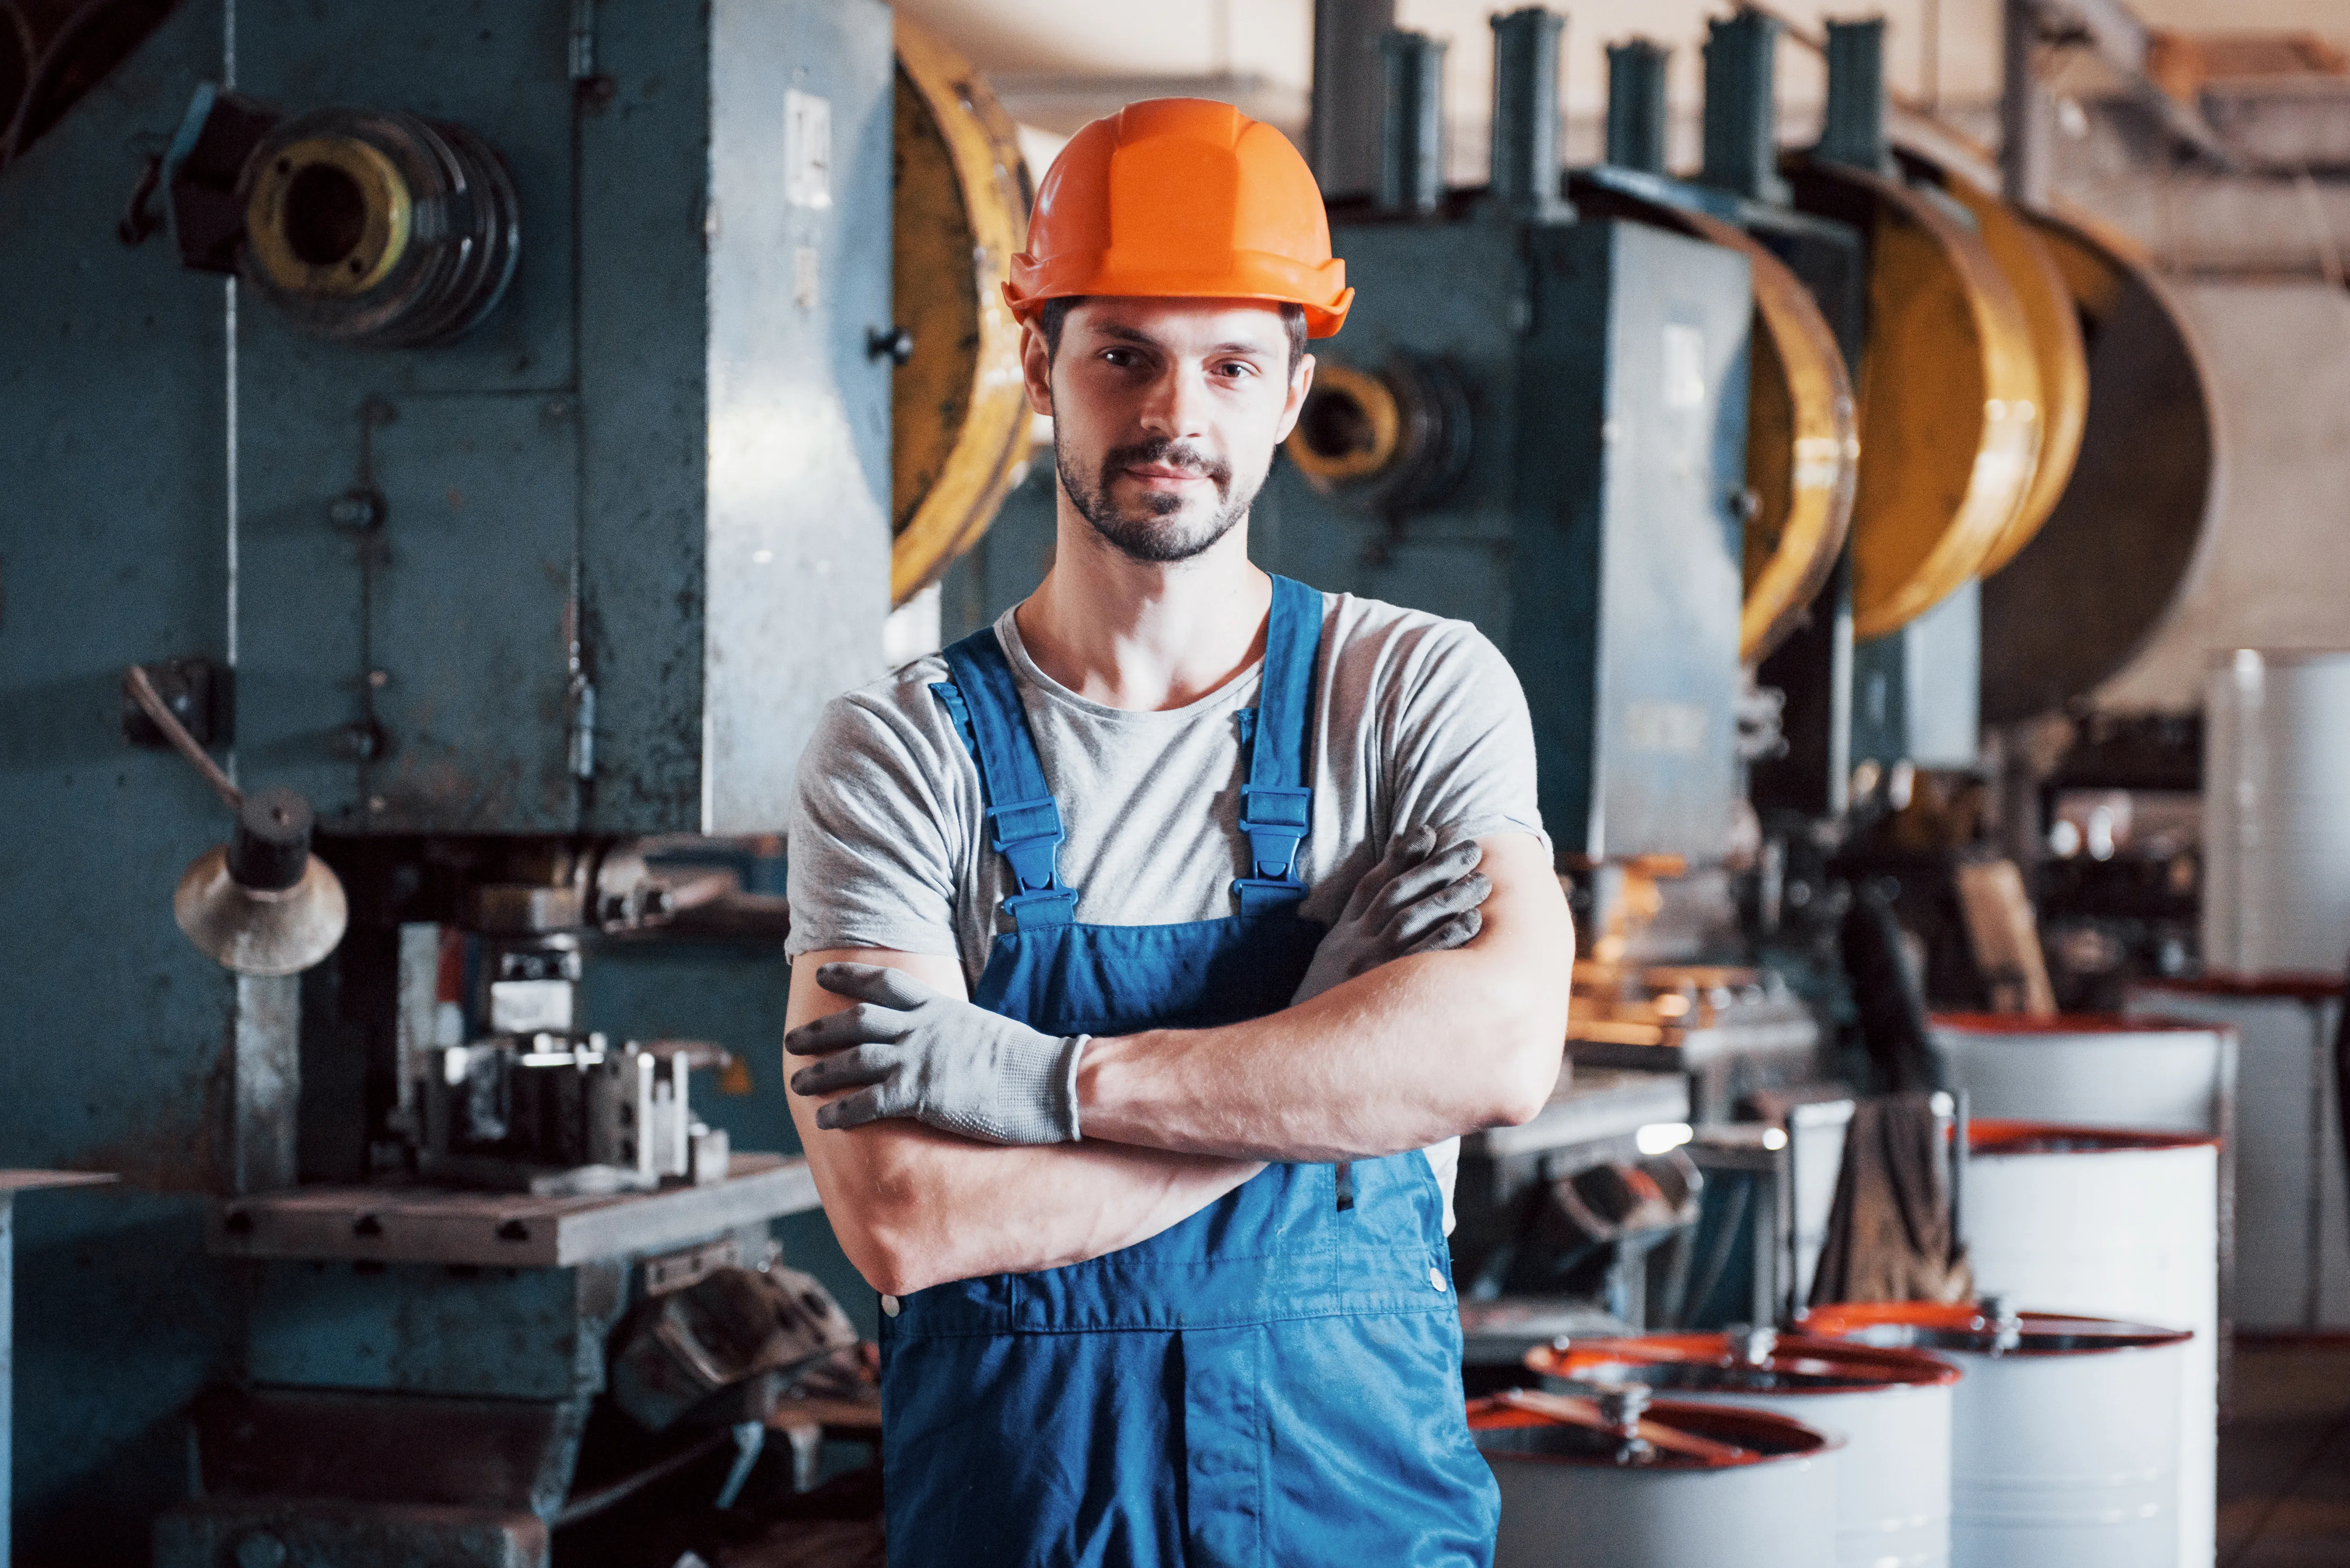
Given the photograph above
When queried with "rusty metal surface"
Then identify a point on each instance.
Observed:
(2092, 588)
(411, 1328)
(387, 1223)
(214, 1532)
(508, 1455)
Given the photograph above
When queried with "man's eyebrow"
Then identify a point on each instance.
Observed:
(1125, 333)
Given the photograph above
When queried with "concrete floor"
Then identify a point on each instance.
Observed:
(2284, 1456)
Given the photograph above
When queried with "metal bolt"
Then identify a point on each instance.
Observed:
(356, 509)
(1623, 1407)
(1750, 1345)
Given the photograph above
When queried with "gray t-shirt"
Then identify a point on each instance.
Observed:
(1418, 721)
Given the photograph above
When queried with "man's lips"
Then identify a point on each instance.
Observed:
(1160, 473)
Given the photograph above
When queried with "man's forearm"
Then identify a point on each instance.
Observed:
(914, 1208)
(918, 1207)
(1409, 1054)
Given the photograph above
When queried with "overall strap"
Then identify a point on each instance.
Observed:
(1026, 825)
(1276, 804)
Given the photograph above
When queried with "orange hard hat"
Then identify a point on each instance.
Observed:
(1182, 197)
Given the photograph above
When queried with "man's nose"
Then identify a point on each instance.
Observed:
(1175, 405)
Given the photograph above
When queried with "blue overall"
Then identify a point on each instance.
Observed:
(1274, 1381)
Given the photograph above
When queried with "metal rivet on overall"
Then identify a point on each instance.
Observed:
(890, 1305)
(1435, 1278)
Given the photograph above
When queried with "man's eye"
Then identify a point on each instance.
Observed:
(1237, 368)
(1121, 358)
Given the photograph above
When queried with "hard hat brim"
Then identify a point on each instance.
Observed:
(1320, 291)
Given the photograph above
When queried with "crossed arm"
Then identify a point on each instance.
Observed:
(1405, 1055)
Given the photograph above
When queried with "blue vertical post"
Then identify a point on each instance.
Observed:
(1411, 124)
(1742, 107)
(1525, 167)
(1854, 131)
(1635, 105)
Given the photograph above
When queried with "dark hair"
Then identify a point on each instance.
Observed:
(1054, 314)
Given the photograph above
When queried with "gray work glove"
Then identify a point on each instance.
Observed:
(1414, 900)
(910, 1050)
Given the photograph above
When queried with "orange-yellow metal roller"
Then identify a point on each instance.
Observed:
(1949, 395)
(959, 417)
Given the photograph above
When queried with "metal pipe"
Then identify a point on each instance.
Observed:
(1525, 168)
(1854, 131)
(1635, 105)
(1742, 107)
(2023, 110)
(1411, 123)
(1342, 133)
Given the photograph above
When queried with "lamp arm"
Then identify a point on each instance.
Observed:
(136, 681)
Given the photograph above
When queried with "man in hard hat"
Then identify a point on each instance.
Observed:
(1154, 946)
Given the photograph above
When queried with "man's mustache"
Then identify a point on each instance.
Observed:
(1168, 453)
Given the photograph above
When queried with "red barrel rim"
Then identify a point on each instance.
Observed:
(1756, 1437)
(1830, 1366)
(1963, 1329)
(2042, 1024)
(1992, 1136)
(2301, 985)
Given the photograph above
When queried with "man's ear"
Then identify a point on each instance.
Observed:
(1301, 381)
(1036, 370)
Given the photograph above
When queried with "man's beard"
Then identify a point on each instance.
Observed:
(1158, 534)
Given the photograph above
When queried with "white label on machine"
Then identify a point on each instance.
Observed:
(807, 148)
(1684, 365)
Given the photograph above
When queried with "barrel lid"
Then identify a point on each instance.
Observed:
(1624, 1428)
(1994, 1136)
(1741, 1361)
(1989, 1327)
(2048, 1025)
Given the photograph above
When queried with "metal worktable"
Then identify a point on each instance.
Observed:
(410, 1222)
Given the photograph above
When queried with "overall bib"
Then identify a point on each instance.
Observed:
(1274, 1381)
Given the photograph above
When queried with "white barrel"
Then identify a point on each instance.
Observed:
(2120, 1225)
(1891, 1409)
(2064, 1431)
(1568, 1503)
(2276, 813)
(2151, 1073)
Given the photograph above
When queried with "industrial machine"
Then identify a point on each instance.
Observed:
(513, 475)
(1536, 421)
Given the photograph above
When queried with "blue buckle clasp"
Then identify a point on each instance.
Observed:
(1276, 819)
